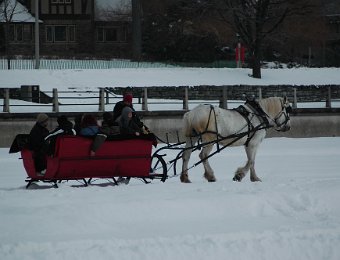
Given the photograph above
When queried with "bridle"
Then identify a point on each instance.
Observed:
(285, 111)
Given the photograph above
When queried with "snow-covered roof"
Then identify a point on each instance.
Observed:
(108, 10)
(20, 12)
(112, 3)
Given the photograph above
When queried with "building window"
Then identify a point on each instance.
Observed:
(107, 34)
(60, 33)
(28, 32)
(20, 33)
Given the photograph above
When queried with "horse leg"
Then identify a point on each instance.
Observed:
(185, 158)
(251, 153)
(208, 171)
(241, 172)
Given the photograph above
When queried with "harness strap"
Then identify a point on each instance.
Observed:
(212, 109)
(252, 107)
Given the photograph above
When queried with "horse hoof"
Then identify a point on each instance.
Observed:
(237, 178)
(255, 179)
(185, 179)
(212, 180)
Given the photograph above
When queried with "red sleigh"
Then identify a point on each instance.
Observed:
(71, 160)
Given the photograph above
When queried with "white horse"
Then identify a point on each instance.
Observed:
(227, 127)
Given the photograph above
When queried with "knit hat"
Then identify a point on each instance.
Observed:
(41, 118)
(127, 98)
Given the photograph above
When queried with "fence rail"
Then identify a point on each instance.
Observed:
(27, 64)
(62, 64)
(104, 100)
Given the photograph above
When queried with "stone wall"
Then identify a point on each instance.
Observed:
(311, 93)
(167, 125)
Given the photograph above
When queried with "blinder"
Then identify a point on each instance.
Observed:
(286, 110)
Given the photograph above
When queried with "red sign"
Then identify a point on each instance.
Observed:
(240, 53)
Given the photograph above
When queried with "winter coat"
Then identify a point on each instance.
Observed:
(117, 110)
(128, 125)
(107, 129)
(36, 139)
(65, 128)
(89, 130)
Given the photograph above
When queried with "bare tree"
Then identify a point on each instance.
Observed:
(254, 20)
(7, 11)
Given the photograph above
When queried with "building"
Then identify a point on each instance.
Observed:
(68, 28)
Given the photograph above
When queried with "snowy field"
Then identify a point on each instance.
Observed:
(293, 213)
(91, 80)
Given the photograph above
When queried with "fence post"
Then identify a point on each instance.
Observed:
(145, 100)
(107, 97)
(186, 99)
(6, 100)
(224, 98)
(295, 98)
(260, 93)
(55, 101)
(101, 99)
(329, 97)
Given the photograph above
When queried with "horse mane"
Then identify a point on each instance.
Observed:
(272, 105)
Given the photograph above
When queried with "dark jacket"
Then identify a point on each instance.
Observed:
(65, 127)
(117, 110)
(128, 125)
(108, 128)
(36, 139)
(37, 143)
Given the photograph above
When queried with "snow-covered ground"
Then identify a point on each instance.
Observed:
(293, 213)
(91, 80)
(143, 77)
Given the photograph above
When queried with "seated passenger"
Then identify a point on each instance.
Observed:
(128, 125)
(127, 101)
(109, 127)
(65, 127)
(89, 126)
(37, 144)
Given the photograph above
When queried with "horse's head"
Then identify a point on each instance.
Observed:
(278, 110)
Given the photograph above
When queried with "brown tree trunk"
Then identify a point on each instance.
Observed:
(256, 60)
(256, 68)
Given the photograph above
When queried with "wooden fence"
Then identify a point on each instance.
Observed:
(27, 64)
(105, 97)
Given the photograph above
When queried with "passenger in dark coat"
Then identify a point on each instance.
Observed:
(65, 127)
(127, 123)
(127, 101)
(108, 128)
(37, 144)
